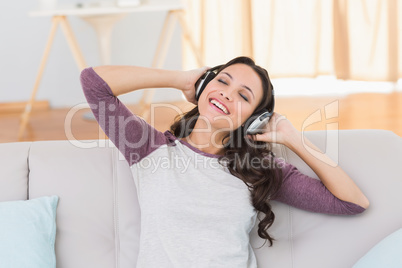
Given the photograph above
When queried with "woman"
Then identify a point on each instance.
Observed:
(201, 185)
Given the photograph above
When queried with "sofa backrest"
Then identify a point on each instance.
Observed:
(373, 159)
(98, 218)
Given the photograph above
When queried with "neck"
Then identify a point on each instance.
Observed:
(203, 139)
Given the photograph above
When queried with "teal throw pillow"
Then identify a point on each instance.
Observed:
(28, 232)
(387, 253)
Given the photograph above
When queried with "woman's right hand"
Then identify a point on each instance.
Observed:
(191, 77)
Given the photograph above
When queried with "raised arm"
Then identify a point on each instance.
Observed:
(301, 191)
(134, 137)
(124, 79)
(335, 179)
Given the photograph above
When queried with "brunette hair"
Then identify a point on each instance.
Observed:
(264, 179)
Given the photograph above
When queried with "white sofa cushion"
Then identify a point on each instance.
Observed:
(14, 171)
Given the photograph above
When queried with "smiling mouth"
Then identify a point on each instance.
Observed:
(219, 106)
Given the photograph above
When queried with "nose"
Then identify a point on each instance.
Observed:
(226, 95)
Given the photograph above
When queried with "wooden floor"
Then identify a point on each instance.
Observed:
(356, 111)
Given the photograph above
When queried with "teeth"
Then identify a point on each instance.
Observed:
(220, 106)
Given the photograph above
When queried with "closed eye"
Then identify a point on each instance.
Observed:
(222, 81)
(225, 83)
(244, 97)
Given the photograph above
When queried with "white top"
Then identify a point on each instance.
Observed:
(194, 212)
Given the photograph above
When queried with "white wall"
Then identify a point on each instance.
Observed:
(23, 40)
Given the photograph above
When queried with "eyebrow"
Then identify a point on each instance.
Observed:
(246, 87)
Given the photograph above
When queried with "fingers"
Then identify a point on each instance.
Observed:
(265, 137)
(201, 71)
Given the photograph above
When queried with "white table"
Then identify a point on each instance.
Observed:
(102, 18)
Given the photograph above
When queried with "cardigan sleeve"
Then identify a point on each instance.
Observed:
(132, 135)
(301, 191)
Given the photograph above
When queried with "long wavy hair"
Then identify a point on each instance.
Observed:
(240, 155)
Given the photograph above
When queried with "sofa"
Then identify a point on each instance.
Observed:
(98, 217)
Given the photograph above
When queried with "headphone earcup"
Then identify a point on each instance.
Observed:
(256, 123)
(202, 82)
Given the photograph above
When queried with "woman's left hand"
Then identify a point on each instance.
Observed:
(278, 130)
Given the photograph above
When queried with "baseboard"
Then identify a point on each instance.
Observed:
(19, 107)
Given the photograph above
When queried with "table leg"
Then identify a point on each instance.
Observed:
(25, 116)
(68, 32)
(188, 39)
(160, 54)
(77, 56)
(158, 60)
(103, 26)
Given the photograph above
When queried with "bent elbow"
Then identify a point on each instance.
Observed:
(360, 207)
(365, 203)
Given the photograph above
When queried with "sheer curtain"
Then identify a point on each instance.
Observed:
(359, 39)
(221, 30)
(367, 36)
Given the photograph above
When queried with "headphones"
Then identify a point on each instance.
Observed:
(256, 123)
